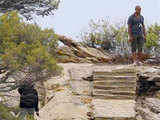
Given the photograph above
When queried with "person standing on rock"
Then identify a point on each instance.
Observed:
(28, 101)
(137, 34)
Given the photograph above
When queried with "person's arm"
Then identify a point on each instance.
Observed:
(20, 90)
(36, 105)
(144, 29)
(130, 28)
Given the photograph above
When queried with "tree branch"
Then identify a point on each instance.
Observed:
(28, 7)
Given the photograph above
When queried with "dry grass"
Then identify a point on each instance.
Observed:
(86, 100)
(59, 89)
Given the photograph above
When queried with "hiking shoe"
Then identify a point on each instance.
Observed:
(139, 63)
(135, 63)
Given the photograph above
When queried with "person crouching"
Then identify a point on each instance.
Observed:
(28, 101)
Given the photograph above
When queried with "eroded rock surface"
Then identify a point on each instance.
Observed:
(77, 53)
(63, 103)
(148, 102)
(70, 96)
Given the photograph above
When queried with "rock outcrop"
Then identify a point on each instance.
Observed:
(77, 53)
(67, 96)
(148, 100)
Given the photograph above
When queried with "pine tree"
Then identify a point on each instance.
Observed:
(25, 50)
(29, 7)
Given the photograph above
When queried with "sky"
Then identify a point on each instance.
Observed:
(73, 16)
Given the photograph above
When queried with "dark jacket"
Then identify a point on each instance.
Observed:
(29, 97)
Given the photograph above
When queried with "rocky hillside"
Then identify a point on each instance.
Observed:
(72, 95)
(90, 91)
(78, 53)
(92, 87)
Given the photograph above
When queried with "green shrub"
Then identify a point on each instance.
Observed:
(5, 113)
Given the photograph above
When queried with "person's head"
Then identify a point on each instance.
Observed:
(138, 9)
(26, 84)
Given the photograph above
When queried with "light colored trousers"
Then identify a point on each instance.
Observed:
(26, 114)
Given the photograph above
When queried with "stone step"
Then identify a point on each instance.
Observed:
(115, 118)
(114, 78)
(114, 88)
(123, 90)
(114, 85)
(119, 83)
(123, 70)
(114, 109)
(114, 97)
(111, 73)
(130, 93)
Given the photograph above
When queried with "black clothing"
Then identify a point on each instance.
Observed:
(29, 97)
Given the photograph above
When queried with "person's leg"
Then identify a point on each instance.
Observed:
(140, 48)
(134, 49)
(30, 115)
(133, 46)
(22, 114)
